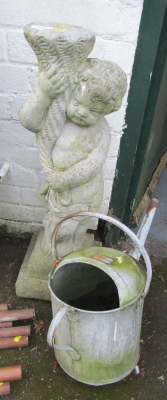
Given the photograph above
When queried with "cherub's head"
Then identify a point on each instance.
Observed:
(101, 87)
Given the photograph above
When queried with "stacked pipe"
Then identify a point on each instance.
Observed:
(12, 336)
(8, 374)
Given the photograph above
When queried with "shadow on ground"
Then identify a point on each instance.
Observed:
(43, 379)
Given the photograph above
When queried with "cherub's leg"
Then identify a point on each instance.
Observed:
(80, 238)
(63, 241)
(49, 223)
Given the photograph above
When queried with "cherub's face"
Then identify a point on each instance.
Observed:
(84, 109)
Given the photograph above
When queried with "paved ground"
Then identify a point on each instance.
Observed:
(43, 379)
(157, 239)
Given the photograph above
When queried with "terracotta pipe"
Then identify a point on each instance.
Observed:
(3, 307)
(5, 324)
(15, 331)
(13, 373)
(15, 315)
(4, 388)
(17, 341)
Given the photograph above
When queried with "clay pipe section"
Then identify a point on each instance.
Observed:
(17, 341)
(3, 307)
(4, 388)
(15, 331)
(13, 373)
(16, 315)
(6, 324)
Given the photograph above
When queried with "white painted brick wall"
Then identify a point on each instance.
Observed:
(115, 24)
(4, 107)
(12, 12)
(2, 46)
(119, 52)
(14, 78)
(22, 53)
(10, 194)
(21, 212)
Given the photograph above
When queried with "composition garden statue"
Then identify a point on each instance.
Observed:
(66, 112)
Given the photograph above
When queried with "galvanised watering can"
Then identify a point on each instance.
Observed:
(97, 300)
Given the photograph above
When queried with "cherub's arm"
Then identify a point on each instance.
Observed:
(84, 170)
(34, 110)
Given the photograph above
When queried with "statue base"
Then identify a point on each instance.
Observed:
(32, 281)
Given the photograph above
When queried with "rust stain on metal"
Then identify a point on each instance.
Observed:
(64, 219)
(56, 262)
(98, 256)
(102, 258)
(153, 204)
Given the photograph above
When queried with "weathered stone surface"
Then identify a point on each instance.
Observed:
(66, 112)
(33, 277)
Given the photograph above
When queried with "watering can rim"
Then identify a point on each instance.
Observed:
(123, 227)
(70, 308)
(127, 273)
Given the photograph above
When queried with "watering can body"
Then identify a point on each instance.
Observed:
(97, 300)
(102, 346)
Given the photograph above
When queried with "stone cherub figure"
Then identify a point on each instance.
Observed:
(66, 111)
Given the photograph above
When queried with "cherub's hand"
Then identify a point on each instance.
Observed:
(52, 81)
(54, 180)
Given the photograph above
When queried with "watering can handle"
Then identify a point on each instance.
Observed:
(124, 228)
(51, 331)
